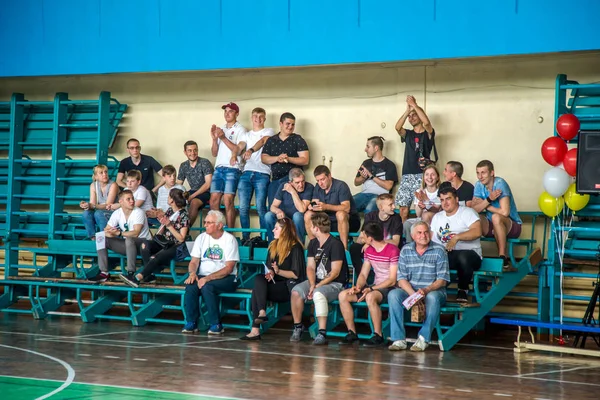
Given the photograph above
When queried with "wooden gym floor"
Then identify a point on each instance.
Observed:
(63, 358)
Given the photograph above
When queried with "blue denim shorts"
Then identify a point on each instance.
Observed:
(225, 180)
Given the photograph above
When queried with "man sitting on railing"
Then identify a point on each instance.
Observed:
(291, 200)
(501, 219)
(458, 229)
(423, 268)
(327, 273)
(212, 271)
(126, 231)
(383, 258)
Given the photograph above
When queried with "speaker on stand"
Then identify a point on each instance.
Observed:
(588, 162)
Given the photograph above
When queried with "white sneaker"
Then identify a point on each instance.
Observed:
(420, 344)
(398, 345)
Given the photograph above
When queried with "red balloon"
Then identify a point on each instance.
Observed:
(570, 162)
(568, 126)
(554, 150)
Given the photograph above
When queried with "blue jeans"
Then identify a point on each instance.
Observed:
(225, 180)
(250, 182)
(297, 219)
(365, 202)
(433, 303)
(93, 218)
(274, 186)
(210, 295)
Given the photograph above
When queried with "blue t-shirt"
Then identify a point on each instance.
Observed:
(482, 192)
(287, 202)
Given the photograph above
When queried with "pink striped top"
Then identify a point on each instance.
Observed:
(380, 261)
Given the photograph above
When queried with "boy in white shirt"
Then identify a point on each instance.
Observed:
(126, 231)
(169, 175)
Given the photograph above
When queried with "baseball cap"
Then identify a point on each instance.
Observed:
(233, 106)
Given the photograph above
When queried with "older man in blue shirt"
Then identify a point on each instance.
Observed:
(423, 268)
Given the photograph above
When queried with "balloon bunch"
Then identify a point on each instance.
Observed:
(558, 180)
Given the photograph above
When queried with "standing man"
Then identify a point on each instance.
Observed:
(256, 176)
(458, 229)
(140, 162)
(227, 172)
(283, 152)
(126, 231)
(327, 273)
(377, 175)
(212, 271)
(198, 172)
(501, 219)
(423, 268)
(419, 143)
(291, 200)
(453, 173)
(333, 197)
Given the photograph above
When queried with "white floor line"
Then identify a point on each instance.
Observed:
(426, 386)
(112, 357)
(356, 379)
(321, 376)
(26, 334)
(97, 334)
(257, 369)
(390, 383)
(226, 367)
(464, 390)
(140, 359)
(449, 370)
(90, 343)
(84, 355)
(186, 344)
(288, 373)
(557, 371)
(502, 395)
(197, 365)
(167, 362)
(70, 371)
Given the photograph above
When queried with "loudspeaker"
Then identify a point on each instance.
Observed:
(588, 162)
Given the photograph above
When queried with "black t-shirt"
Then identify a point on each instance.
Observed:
(465, 193)
(332, 250)
(290, 146)
(338, 193)
(385, 170)
(147, 167)
(294, 262)
(391, 226)
(415, 149)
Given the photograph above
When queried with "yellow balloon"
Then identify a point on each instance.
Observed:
(574, 200)
(551, 206)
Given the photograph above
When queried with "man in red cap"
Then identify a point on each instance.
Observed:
(227, 165)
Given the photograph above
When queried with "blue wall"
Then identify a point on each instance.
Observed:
(56, 37)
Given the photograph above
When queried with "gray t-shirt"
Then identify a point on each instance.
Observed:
(195, 176)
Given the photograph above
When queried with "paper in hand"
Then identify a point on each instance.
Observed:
(268, 271)
(412, 300)
(100, 241)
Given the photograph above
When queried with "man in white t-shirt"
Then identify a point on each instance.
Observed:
(458, 229)
(212, 271)
(126, 231)
(227, 173)
(256, 176)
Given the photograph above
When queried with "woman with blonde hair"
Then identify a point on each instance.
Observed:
(286, 266)
(103, 193)
(427, 202)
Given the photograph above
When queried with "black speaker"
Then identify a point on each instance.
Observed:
(588, 162)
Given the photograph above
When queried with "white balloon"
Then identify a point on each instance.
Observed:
(556, 181)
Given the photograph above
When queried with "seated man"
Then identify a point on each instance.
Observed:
(423, 268)
(390, 222)
(327, 273)
(126, 230)
(333, 197)
(141, 162)
(198, 172)
(291, 200)
(212, 271)
(377, 175)
(169, 176)
(453, 174)
(383, 258)
(501, 219)
(458, 229)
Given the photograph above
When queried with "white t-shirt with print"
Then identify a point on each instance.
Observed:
(137, 217)
(162, 198)
(254, 163)
(214, 253)
(445, 227)
(142, 193)
(235, 134)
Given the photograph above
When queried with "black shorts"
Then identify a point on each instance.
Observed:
(204, 198)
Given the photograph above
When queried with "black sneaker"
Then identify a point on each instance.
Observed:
(462, 296)
(149, 279)
(349, 338)
(130, 279)
(374, 341)
(101, 277)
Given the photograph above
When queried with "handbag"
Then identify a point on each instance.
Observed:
(162, 241)
(182, 252)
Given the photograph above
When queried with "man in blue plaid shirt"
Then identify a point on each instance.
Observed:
(423, 268)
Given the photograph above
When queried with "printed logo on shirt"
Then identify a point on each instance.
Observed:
(321, 260)
(214, 253)
(445, 235)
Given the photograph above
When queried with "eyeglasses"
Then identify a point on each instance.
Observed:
(209, 222)
(134, 147)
